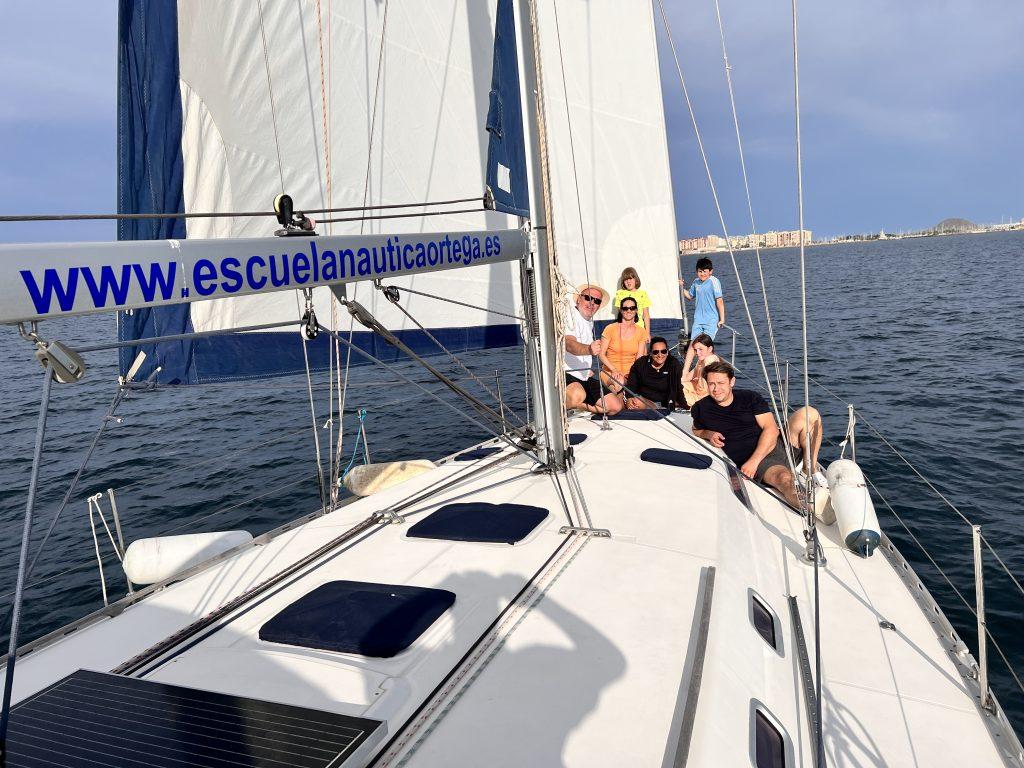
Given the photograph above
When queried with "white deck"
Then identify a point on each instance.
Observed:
(592, 669)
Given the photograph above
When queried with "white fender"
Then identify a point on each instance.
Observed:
(373, 478)
(855, 512)
(148, 561)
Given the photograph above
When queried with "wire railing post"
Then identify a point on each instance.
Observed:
(785, 392)
(979, 598)
(853, 432)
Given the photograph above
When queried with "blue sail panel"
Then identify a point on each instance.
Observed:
(506, 153)
(149, 168)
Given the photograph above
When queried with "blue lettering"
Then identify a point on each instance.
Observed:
(204, 276)
(156, 278)
(476, 247)
(229, 268)
(330, 265)
(407, 260)
(497, 245)
(364, 261)
(281, 280)
(382, 264)
(432, 253)
(488, 246)
(347, 253)
(52, 286)
(250, 277)
(456, 249)
(108, 284)
(315, 260)
(421, 255)
(300, 268)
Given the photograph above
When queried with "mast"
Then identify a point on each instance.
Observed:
(547, 394)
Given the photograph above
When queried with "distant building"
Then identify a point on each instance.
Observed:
(736, 242)
(700, 244)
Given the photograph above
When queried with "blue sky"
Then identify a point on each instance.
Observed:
(912, 112)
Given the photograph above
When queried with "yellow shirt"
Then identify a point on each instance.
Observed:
(643, 301)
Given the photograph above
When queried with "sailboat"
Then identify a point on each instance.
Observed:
(440, 175)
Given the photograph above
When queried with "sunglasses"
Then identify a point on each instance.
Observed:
(592, 299)
(628, 309)
(659, 351)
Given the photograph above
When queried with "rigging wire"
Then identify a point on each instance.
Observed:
(455, 358)
(572, 146)
(228, 214)
(725, 231)
(403, 289)
(809, 496)
(270, 88)
(750, 205)
(343, 386)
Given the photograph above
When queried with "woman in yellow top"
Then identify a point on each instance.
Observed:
(629, 285)
(622, 343)
(694, 386)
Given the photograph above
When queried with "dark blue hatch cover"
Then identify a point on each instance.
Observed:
(479, 521)
(575, 438)
(100, 719)
(378, 620)
(478, 453)
(676, 458)
(648, 414)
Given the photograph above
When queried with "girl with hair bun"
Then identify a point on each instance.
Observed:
(629, 285)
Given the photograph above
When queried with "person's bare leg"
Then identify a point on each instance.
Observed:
(797, 428)
(609, 404)
(781, 479)
(574, 396)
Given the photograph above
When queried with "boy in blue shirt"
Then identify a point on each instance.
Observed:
(709, 307)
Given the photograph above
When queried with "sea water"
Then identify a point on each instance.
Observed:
(921, 335)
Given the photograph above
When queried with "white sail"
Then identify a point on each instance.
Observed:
(611, 186)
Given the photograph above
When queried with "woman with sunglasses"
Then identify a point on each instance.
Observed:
(655, 380)
(622, 344)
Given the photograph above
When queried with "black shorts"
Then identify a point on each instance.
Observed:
(591, 386)
(777, 458)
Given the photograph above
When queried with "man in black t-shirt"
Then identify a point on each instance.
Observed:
(740, 422)
(655, 379)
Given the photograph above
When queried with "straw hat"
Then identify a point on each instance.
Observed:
(605, 296)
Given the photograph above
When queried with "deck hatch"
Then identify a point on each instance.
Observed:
(379, 620)
(100, 719)
(478, 453)
(648, 414)
(676, 458)
(480, 522)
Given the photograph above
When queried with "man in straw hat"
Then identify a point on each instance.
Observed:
(582, 387)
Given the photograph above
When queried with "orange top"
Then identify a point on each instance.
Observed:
(623, 351)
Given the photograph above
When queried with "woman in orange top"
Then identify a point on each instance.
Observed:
(622, 342)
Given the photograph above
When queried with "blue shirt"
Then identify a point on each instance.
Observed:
(704, 293)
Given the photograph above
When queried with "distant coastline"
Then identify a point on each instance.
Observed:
(773, 240)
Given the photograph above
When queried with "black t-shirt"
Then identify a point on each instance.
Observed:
(659, 385)
(735, 421)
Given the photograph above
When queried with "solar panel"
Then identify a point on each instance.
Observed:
(98, 719)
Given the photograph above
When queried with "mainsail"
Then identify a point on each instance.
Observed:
(223, 106)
